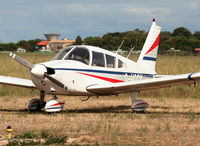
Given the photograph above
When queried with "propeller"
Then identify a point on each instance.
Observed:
(39, 71)
(22, 61)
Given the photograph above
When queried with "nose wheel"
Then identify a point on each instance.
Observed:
(37, 104)
(52, 105)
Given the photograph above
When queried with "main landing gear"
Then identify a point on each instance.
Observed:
(51, 106)
(138, 105)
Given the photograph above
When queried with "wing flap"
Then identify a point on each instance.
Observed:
(145, 84)
(16, 82)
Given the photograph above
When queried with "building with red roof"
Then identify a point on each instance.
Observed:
(53, 44)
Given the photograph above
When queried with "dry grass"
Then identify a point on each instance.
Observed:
(109, 120)
(171, 119)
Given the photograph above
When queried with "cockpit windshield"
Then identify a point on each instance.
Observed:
(79, 54)
(73, 53)
(62, 53)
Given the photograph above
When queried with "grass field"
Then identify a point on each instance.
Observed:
(172, 118)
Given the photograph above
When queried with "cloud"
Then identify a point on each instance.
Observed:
(30, 19)
(194, 4)
(150, 12)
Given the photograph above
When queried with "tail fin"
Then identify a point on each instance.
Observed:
(149, 51)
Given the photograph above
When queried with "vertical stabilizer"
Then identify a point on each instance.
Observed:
(149, 52)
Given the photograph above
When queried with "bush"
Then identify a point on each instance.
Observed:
(55, 140)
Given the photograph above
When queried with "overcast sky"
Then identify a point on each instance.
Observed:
(30, 19)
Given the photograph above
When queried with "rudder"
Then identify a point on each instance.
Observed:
(149, 52)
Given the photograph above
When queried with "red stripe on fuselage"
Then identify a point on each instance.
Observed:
(155, 44)
(103, 78)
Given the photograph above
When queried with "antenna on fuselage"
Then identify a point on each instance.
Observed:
(132, 48)
(120, 47)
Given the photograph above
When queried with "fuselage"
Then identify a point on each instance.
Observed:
(79, 67)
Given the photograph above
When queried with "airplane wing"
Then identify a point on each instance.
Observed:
(16, 82)
(145, 84)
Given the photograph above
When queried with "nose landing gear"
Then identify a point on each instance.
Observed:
(51, 106)
(37, 104)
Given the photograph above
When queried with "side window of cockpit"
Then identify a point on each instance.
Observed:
(79, 54)
(120, 64)
(98, 59)
(110, 61)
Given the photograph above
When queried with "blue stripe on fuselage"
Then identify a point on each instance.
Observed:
(149, 58)
(107, 72)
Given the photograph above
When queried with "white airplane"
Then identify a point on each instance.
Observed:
(84, 70)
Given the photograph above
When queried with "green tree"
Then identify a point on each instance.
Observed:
(93, 41)
(182, 43)
(129, 38)
(182, 31)
(107, 41)
(8, 46)
(140, 38)
(29, 45)
(194, 43)
(197, 35)
(181, 38)
(164, 43)
(78, 40)
(25, 45)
